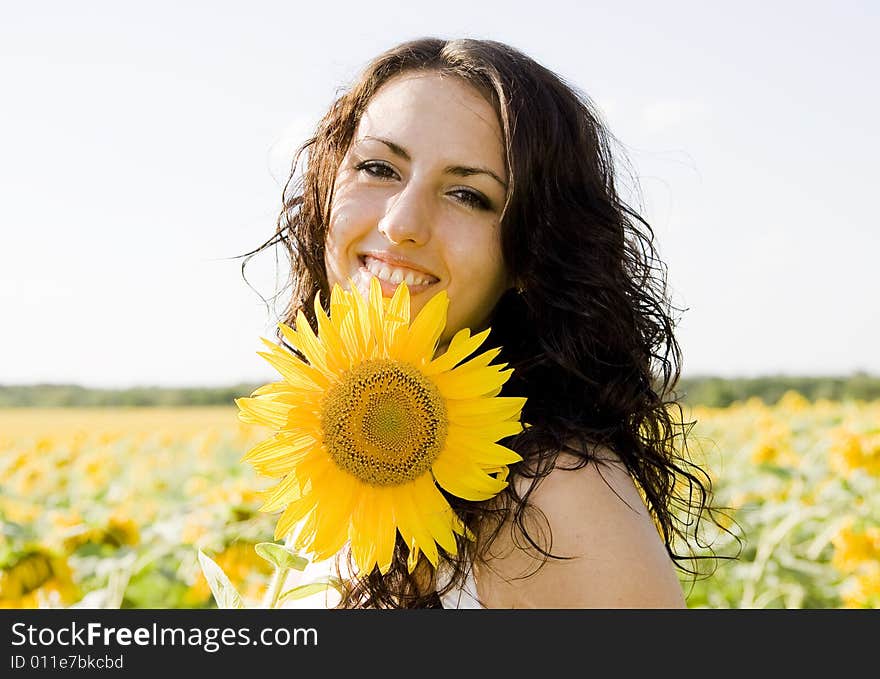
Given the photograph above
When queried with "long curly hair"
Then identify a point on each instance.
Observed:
(589, 328)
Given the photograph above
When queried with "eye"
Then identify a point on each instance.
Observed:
(472, 199)
(376, 168)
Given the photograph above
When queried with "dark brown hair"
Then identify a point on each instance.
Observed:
(589, 333)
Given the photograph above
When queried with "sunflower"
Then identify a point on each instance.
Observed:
(371, 425)
(36, 578)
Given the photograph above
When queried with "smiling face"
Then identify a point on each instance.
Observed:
(418, 198)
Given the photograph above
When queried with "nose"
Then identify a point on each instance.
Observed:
(407, 217)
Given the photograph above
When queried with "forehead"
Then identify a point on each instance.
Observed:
(435, 112)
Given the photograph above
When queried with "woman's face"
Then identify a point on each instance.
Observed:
(418, 198)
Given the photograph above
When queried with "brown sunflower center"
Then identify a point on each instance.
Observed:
(384, 422)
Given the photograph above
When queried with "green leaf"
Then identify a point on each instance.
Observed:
(782, 472)
(222, 588)
(281, 556)
(302, 591)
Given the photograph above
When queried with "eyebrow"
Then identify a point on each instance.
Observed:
(457, 170)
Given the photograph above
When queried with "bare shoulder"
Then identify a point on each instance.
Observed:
(594, 515)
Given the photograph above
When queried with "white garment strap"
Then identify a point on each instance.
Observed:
(458, 598)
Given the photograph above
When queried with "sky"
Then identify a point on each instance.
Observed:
(143, 147)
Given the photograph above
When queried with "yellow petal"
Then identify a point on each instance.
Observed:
(491, 431)
(306, 342)
(376, 312)
(294, 371)
(309, 470)
(284, 493)
(473, 412)
(304, 420)
(355, 343)
(332, 520)
(411, 523)
(420, 342)
(272, 388)
(306, 535)
(363, 544)
(461, 346)
(292, 515)
(386, 529)
(280, 445)
(337, 357)
(279, 455)
(339, 305)
(281, 465)
(480, 451)
(361, 316)
(467, 481)
(412, 558)
(291, 396)
(481, 361)
(463, 384)
(263, 411)
(499, 473)
(396, 316)
(437, 515)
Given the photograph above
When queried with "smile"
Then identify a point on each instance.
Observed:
(390, 275)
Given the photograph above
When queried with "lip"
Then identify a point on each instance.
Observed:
(388, 288)
(396, 260)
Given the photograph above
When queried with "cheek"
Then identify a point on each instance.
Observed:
(481, 279)
(477, 260)
(348, 225)
(334, 253)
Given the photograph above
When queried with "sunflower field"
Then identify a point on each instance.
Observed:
(111, 507)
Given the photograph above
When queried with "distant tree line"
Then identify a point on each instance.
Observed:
(76, 396)
(708, 391)
(722, 391)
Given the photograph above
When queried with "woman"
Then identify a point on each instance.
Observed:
(465, 166)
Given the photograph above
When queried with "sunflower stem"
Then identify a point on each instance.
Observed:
(278, 578)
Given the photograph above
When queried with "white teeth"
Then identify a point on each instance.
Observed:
(394, 275)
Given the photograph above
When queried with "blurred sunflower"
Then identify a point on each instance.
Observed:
(29, 579)
(371, 423)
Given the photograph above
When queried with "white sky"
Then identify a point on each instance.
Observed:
(144, 144)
